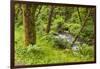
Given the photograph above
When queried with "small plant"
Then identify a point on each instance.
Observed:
(33, 48)
(61, 42)
(86, 50)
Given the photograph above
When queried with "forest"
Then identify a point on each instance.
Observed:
(51, 34)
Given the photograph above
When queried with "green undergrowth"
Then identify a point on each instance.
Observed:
(45, 52)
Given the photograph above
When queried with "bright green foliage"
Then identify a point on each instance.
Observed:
(48, 49)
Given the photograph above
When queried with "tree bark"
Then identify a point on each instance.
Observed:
(29, 24)
(79, 15)
(50, 19)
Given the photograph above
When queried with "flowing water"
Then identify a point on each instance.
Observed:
(69, 38)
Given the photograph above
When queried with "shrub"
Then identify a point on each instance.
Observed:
(86, 50)
(73, 28)
(61, 42)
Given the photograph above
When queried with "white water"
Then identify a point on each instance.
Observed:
(69, 39)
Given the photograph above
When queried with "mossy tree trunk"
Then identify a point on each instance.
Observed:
(79, 15)
(50, 19)
(83, 25)
(29, 23)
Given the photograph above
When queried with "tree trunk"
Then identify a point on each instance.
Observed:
(29, 24)
(50, 19)
(84, 23)
(79, 15)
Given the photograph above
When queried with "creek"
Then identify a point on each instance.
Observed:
(69, 38)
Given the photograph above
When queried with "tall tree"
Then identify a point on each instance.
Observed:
(84, 23)
(79, 14)
(29, 23)
(50, 19)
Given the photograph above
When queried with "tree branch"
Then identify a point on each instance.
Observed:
(84, 23)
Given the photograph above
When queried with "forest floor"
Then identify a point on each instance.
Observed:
(45, 53)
